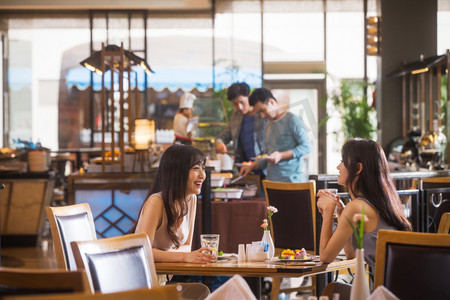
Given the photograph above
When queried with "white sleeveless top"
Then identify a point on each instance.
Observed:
(162, 240)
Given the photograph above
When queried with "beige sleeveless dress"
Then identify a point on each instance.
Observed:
(184, 232)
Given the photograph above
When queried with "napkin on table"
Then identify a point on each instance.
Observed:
(382, 293)
(235, 288)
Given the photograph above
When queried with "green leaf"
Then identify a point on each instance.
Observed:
(358, 117)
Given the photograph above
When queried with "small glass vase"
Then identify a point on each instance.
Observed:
(267, 239)
(360, 287)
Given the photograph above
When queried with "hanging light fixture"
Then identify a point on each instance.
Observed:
(94, 63)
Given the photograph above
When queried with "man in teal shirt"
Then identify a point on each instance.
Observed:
(287, 140)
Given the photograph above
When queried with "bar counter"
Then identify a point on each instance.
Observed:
(322, 180)
(409, 188)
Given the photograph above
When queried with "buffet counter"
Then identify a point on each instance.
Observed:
(236, 221)
(400, 178)
(417, 198)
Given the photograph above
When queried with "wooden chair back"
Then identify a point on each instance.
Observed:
(413, 265)
(343, 289)
(294, 225)
(15, 281)
(444, 224)
(168, 292)
(67, 224)
(436, 180)
(117, 264)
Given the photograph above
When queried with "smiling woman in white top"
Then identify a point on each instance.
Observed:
(168, 214)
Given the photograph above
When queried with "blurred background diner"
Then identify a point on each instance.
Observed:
(92, 94)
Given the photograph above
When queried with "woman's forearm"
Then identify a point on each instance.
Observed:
(168, 256)
(325, 236)
(349, 250)
(183, 248)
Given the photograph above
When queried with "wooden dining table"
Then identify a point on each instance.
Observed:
(254, 269)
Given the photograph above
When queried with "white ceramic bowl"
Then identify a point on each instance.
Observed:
(228, 193)
(257, 256)
(214, 163)
(217, 181)
(249, 192)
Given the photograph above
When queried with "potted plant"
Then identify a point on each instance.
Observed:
(358, 116)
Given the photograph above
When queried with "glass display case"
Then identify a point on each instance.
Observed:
(212, 120)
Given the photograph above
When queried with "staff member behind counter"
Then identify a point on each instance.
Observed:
(287, 140)
(246, 128)
(180, 122)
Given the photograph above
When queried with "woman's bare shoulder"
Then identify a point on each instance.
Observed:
(355, 206)
(154, 201)
(192, 198)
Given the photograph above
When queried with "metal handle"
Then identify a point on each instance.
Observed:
(236, 179)
(439, 200)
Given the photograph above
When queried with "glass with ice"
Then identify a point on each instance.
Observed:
(210, 241)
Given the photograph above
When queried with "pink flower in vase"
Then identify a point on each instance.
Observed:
(270, 211)
(265, 225)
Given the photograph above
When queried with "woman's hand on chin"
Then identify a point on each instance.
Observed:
(198, 256)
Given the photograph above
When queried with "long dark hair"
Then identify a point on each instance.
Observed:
(374, 182)
(171, 180)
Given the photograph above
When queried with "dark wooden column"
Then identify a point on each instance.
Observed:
(2, 186)
(408, 29)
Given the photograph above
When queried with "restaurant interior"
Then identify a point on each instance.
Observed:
(89, 94)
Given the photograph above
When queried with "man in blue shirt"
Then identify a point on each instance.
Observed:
(287, 140)
(246, 128)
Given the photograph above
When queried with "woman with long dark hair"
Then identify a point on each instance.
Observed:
(168, 214)
(364, 171)
(169, 211)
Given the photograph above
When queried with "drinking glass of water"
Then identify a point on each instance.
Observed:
(211, 241)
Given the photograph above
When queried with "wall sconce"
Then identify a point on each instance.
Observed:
(373, 36)
(144, 133)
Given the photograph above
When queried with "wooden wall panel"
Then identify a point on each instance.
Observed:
(25, 207)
